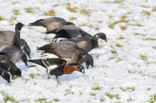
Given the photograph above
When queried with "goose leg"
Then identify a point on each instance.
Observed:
(57, 79)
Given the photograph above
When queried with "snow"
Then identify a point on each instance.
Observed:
(124, 68)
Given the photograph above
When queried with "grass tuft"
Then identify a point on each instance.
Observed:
(111, 96)
(154, 47)
(114, 51)
(146, 13)
(119, 59)
(118, 45)
(85, 12)
(123, 27)
(96, 88)
(1, 18)
(122, 20)
(149, 38)
(87, 25)
(92, 94)
(143, 57)
(139, 25)
(16, 12)
(139, 34)
(154, 9)
(145, 6)
(102, 99)
(56, 5)
(56, 99)
(152, 98)
(32, 75)
(71, 9)
(68, 91)
(72, 18)
(50, 13)
(130, 89)
(41, 100)
(29, 10)
(8, 98)
(121, 38)
(130, 99)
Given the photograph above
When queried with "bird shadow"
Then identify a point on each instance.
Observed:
(72, 77)
(68, 77)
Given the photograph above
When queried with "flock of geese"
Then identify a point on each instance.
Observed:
(72, 50)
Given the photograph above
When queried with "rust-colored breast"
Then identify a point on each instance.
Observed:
(78, 67)
(70, 69)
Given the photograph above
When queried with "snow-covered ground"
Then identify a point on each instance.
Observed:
(125, 66)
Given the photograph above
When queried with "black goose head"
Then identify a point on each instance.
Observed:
(6, 76)
(37, 23)
(19, 26)
(17, 37)
(101, 36)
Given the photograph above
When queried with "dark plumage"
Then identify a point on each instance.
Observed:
(62, 66)
(66, 69)
(7, 38)
(5, 75)
(50, 23)
(69, 51)
(88, 43)
(9, 66)
(14, 52)
(48, 62)
(67, 31)
(25, 47)
(82, 38)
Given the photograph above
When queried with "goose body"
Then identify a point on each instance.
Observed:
(9, 66)
(14, 52)
(51, 23)
(69, 51)
(7, 38)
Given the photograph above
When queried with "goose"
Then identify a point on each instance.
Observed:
(69, 51)
(7, 39)
(62, 66)
(47, 62)
(50, 23)
(66, 69)
(14, 51)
